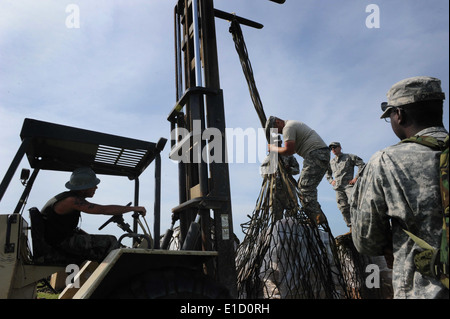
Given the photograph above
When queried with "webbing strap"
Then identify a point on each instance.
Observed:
(241, 48)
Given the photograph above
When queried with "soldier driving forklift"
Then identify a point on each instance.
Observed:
(55, 147)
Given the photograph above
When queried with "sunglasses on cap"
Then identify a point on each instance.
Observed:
(384, 106)
(387, 109)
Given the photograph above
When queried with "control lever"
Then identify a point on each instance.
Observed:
(118, 219)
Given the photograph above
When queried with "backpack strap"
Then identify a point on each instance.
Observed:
(429, 141)
(439, 268)
(444, 251)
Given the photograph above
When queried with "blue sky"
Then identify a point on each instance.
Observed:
(314, 61)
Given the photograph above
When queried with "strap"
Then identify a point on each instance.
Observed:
(426, 140)
(422, 243)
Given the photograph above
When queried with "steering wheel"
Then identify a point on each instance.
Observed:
(140, 237)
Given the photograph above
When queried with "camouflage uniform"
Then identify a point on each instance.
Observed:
(89, 247)
(399, 189)
(316, 155)
(315, 165)
(342, 167)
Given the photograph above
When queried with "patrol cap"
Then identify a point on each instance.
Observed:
(334, 144)
(82, 178)
(412, 90)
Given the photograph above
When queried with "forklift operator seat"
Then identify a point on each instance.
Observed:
(43, 253)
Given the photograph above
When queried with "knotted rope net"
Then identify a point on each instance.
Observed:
(284, 253)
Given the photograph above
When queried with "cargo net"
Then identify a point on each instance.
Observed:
(367, 277)
(284, 253)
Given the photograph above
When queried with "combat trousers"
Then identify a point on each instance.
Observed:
(89, 247)
(343, 202)
(314, 168)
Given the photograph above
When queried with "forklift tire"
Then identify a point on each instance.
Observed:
(173, 283)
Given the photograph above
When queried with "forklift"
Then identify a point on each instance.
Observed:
(204, 267)
(54, 147)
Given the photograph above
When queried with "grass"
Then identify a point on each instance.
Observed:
(46, 295)
(44, 292)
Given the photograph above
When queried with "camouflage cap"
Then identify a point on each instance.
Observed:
(334, 144)
(411, 90)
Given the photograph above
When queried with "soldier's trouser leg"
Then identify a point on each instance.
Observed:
(89, 247)
(342, 199)
(314, 167)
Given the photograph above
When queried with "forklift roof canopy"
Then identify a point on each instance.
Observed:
(63, 148)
